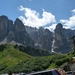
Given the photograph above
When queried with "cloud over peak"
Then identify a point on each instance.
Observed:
(32, 17)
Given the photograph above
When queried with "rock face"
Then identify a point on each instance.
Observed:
(42, 37)
(21, 35)
(56, 42)
(62, 43)
(39, 38)
(14, 32)
(4, 27)
(45, 39)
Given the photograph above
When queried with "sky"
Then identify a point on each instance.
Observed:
(40, 13)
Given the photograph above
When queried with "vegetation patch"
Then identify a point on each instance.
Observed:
(14, 60)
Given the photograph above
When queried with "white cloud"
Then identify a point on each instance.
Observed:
(32, 17)
(70, 23)
(73, 11)
(52, 27)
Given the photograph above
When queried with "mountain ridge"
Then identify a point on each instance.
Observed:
(14, 31)
(18, 33)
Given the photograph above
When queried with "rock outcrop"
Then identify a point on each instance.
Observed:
(56, 42)
(42, 38)
(14, 32)
(4, 27)
(62, 43)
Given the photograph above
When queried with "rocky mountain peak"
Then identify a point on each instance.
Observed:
(58, 30)
(40, 38)
(59, 26)
(61, 43)
(18, 22)
(18, 25)
(3, 17)
(47, 31)
(14, 32)
(3, 27)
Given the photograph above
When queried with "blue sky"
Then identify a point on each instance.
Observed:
(36, 13)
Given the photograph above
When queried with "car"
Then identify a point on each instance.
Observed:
(70, 73)
(22, 73)
(46, 72)
(19, 73)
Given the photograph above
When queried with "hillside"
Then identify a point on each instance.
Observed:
(9, 57)
(14, 60)
(42, 63)
(33, 51)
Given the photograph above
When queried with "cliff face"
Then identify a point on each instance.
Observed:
(56, 42)
(4, 27)
(20, 33)
(39, 38)
(45, 39)
(14, 32)
(62, 43)
(42, 37)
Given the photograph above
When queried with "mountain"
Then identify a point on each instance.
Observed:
(62, 43)
(57, 41)
(5, 26)
(14, 33)
(17, 33)
(42, 37)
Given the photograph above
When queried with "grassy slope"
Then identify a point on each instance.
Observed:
(9, 57)
(42, 63)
